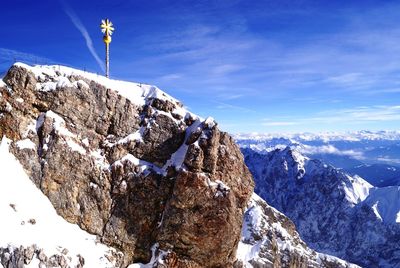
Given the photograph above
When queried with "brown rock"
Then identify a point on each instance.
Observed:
(163, 105)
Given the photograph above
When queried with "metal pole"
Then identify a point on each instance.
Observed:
(107, 60)
(107, 29)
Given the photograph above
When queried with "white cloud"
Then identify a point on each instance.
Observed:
(354, 58)
(345, 79)
(330, 149)
(387, 159)
(361, 114)
(226, 69)
(356, 115)
(279, 123)
(227, 106)
(170, 77)
(230, 96)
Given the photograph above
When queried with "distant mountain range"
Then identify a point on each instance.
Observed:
(375, 156)
(334, 212)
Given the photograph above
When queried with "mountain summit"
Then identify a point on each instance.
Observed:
(145, 180)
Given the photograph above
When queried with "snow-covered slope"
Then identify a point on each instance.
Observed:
(52, 77)
(334, 212)
(269, 239)
(28, 218)
(385, 203)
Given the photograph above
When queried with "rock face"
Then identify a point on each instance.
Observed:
(126, 162)
(269, 240)
(334, 212)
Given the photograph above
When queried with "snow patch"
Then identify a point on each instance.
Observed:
(143, 165)
(63, 82)
(85, 141)
(8, 107)
(80, 84)
(178, 157)
(136, 136)
(210, 122)
(376, 212)
(137, 93)
(26, 144)
(99, 159)
(60, 127)
(222, 189)
(157, 257)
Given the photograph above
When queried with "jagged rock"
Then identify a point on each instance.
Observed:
(162, 138)
(162, 105)
(19, 257)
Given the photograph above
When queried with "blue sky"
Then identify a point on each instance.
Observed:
(255, 66)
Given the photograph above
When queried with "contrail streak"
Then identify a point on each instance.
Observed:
(78, 24)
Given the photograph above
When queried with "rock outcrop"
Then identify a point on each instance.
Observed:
(128, 163)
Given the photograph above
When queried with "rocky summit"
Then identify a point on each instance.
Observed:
(147, 182)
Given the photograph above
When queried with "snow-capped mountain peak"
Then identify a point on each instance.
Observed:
(357, 190)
